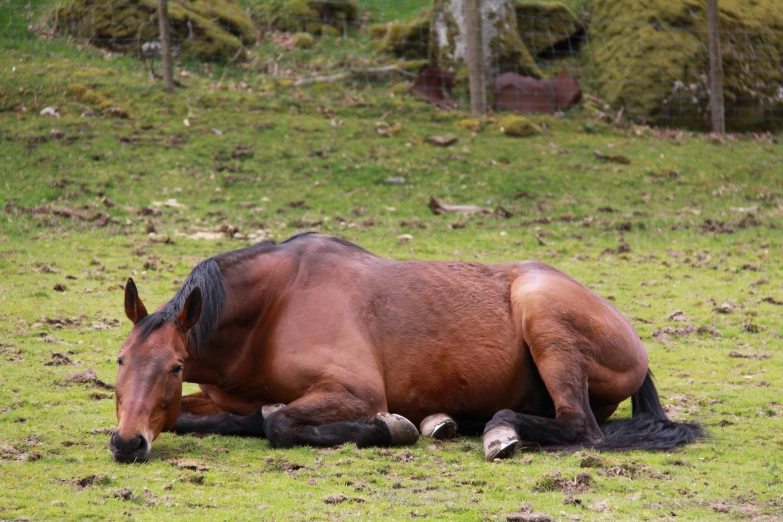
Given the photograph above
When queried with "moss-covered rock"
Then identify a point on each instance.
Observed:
(203, 28)
(653, 60)
(410, 40)
(307, 15)
(88, 96)
(544, 26)
(503, 48)
(518, 126)
(303, 40)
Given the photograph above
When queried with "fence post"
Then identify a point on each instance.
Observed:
(716, 69)
(474, 55)
(165, 47)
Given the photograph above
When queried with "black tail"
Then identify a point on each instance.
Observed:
(649, 428)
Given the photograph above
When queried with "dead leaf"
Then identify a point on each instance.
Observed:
(51, 111)
(442, 141)
(439, 208)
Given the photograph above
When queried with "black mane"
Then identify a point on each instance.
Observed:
(206, 275)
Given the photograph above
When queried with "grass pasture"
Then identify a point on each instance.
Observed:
(691, 224)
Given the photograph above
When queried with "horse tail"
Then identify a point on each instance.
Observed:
(648, 428)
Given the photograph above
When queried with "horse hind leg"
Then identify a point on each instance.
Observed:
(574, 422)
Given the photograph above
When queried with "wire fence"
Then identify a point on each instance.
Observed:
(652, 70)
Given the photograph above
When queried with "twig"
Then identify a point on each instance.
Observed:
(225, 67)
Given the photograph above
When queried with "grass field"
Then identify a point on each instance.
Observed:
(690, 224)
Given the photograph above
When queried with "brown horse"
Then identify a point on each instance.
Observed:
(355, 345)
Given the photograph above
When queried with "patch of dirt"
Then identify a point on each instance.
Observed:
(11, 453)
(281, 464)
(123, 494)
(664, 334)
(89, 480)
(188, 464)
(58, 359)
(553, 481)
(708, 330)
(716, 227)
(734, 354)
(339, 498)
(89, 376)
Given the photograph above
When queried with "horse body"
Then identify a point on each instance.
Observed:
(340, 335)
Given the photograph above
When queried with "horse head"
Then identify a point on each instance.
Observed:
(149, 378)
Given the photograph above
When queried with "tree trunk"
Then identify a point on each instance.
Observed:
(474, 56)
(716, 69)
(165, 47)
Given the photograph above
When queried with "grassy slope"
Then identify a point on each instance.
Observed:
(339, 172)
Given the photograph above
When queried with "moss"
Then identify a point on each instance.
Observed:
(400, 88)
(518, 126)
(378, 31)
(409, 39)
(209, 29)
(511, 52)
(83, 94)
(654, 61)
(309, 16)
(543, 26)
(303, 40)
(328, 30)
(471, 124)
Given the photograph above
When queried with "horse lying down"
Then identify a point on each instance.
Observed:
(359, 348)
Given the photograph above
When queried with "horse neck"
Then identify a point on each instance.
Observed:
(252, 286)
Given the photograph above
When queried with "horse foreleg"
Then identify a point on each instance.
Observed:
(198, 404)
(330, 414)
(226, 423)
(574, 421)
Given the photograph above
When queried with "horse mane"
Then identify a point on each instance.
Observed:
(207, 276)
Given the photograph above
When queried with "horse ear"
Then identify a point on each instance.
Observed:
(191, 310)
(134, 308)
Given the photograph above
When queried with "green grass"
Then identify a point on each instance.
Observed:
(277, 145)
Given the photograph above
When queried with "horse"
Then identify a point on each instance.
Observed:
(529, 95)
(316, 341)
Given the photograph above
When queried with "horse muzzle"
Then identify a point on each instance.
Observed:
(128, 451)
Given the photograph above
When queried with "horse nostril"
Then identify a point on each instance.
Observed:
(137, 442)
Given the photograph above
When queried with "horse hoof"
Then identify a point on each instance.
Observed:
(269, 409)
(500, 443)
(403, 432)
(439, 426)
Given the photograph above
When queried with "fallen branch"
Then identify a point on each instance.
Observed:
(352, 72)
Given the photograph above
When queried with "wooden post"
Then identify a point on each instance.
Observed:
(474, 55)
(165, 47)
(716, 69)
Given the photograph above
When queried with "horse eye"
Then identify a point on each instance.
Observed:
(120, 362)
(176, 369)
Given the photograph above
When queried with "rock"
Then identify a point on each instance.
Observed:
(214, 29)
(518, 126)
(504, 50)
(544, 27)
(665, 44)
